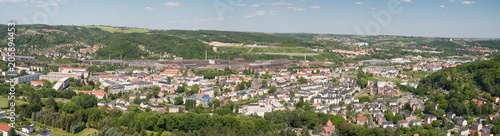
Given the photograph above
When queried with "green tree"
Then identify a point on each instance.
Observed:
(397, 118)
(178, 100)
(272, 89)
(388, 114)
(435, 123)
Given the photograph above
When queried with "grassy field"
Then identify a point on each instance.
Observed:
(283, 50)
(418, 74)
(362, 95)
(126, 30)
(57, 100)
(60, 132)
(4, 102)
(395, 80)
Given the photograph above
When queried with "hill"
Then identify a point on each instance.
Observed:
(457, 89)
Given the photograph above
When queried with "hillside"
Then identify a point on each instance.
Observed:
(454, 89)
(126, 41)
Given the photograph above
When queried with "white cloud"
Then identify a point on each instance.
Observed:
(451, 0)
(149, 8)
(262, 13)
(297, 9)
(241, 5)
(255, 5)
(1, 1)
(468, 2)
(315, 7)
(358, 3)
(442, 6)
(372, 8)
(172, 4)
(407, 1)
(282, 2)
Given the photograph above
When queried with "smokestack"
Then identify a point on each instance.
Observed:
(121, 58)
(205, 54)
(109, 60)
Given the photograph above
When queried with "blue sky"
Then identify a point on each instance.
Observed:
(431, 18)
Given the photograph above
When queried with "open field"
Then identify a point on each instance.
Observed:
(293, 54)
(125, 30)
(57, 100)
(4, 102)
(60, 132)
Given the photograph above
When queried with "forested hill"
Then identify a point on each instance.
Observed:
(455, 89)
(483, 76)
(125, 40)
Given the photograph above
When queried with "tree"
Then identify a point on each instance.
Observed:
(264, 84)
(388, 114)
(178, 100)
(21, 115)
(71, 107)
(272, 90)
(12, 132)
(435, 123)
(305, 131)
(51, 105)
(397, 118)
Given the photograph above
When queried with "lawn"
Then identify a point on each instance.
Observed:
(418, 74)
(60, 132)
(4, 102)
(395, 80)
(64, 100)
(365, 94)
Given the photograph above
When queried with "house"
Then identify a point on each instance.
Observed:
(132, 96)
(28, 128)
(487, 128)
(143, 96)
(144, 105)
(361, 119)
(328, 129)
(477, 126)
(461, 122)
(173, 109)
(111, 104)
(409, 116)
(429, 118)
(387, 124)
(483, 118)
(415, 122)
(43, 133)
(486, 134)
(101, 103)
(201, 99)
(403, 123)
(464, 131)
(450, 115)
(4, 129)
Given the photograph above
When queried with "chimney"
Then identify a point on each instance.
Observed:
(205, 54)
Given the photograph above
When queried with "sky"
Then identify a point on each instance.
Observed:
(429, 18)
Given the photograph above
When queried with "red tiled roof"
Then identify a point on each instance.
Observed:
(71, 68)
(37, 82)
(4, 127)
